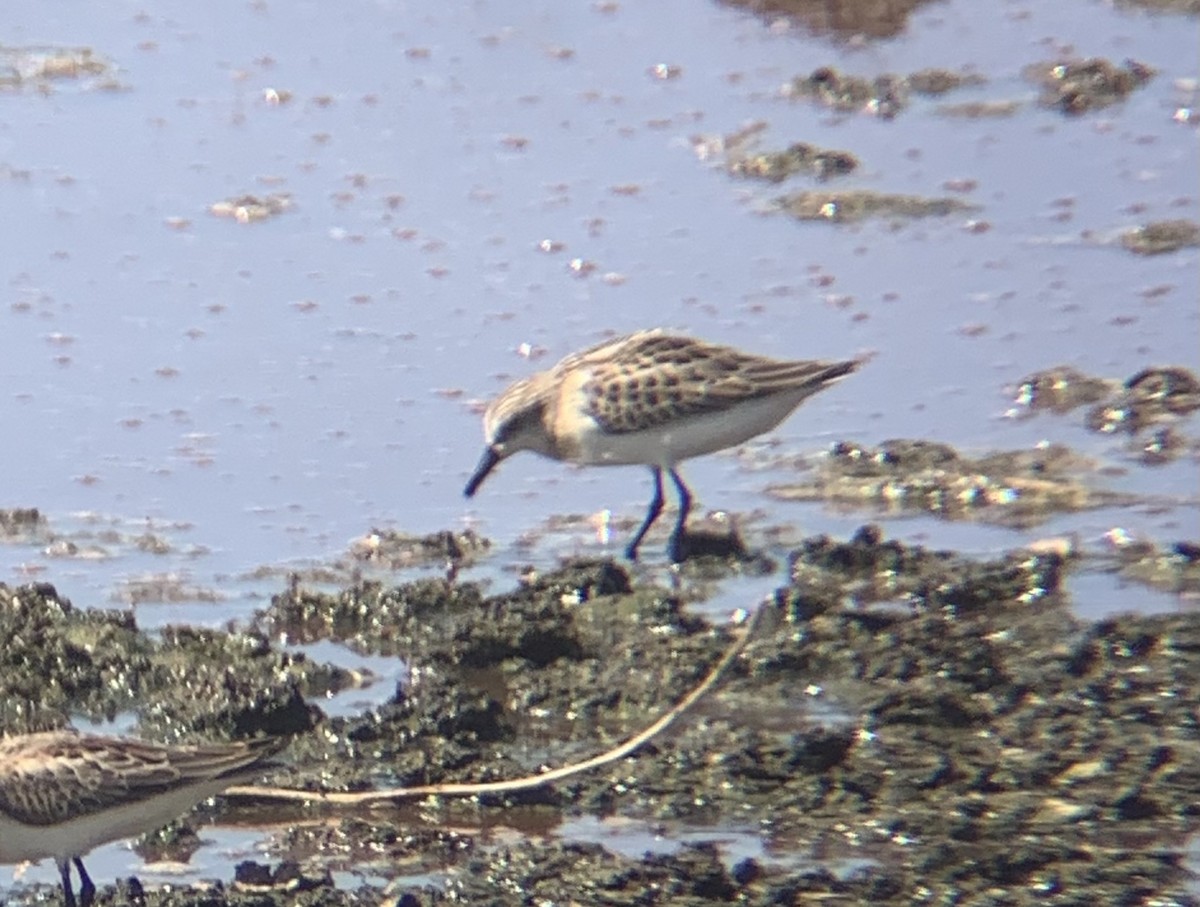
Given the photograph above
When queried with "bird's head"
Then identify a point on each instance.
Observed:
(514, 421)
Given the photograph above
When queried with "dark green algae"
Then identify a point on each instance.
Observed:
(57, 659)
(943, 725)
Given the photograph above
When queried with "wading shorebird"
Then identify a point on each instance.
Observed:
(649, 398)
(63, 793)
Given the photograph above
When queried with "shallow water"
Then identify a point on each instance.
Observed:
(262, 393)
(278, 388)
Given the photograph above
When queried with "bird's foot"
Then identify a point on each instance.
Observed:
(677, 548)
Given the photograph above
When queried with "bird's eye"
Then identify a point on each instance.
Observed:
(505, 432)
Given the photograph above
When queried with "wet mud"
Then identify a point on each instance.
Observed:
(883, 96)
(844, 19)
(853, 205)
(905, 725)
(1079, 86)
(247, 209)
(1162, 237)
(915, 725)
(46, 69)
(1020, 488)
(1150, 410)
(799, 157)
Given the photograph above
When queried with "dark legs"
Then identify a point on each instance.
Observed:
(64, 871)
(87, 890)
(656, 506)
(675, 547)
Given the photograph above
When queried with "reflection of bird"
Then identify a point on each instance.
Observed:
(63, 793)
(649, 398)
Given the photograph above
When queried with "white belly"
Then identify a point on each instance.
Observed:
(672, 442)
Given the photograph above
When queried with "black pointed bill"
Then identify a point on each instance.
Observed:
(486, 464)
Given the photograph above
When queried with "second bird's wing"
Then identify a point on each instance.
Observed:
(52, 776)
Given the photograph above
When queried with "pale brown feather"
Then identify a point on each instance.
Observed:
(650, 378)
(49, 777)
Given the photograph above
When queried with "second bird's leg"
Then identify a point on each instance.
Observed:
(675, 546)
(87, 890)
(656, 506)
(64, 872)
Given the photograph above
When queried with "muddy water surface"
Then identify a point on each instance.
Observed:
(262, 263)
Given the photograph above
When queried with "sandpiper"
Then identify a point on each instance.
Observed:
(649, 398)
(63, 793)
